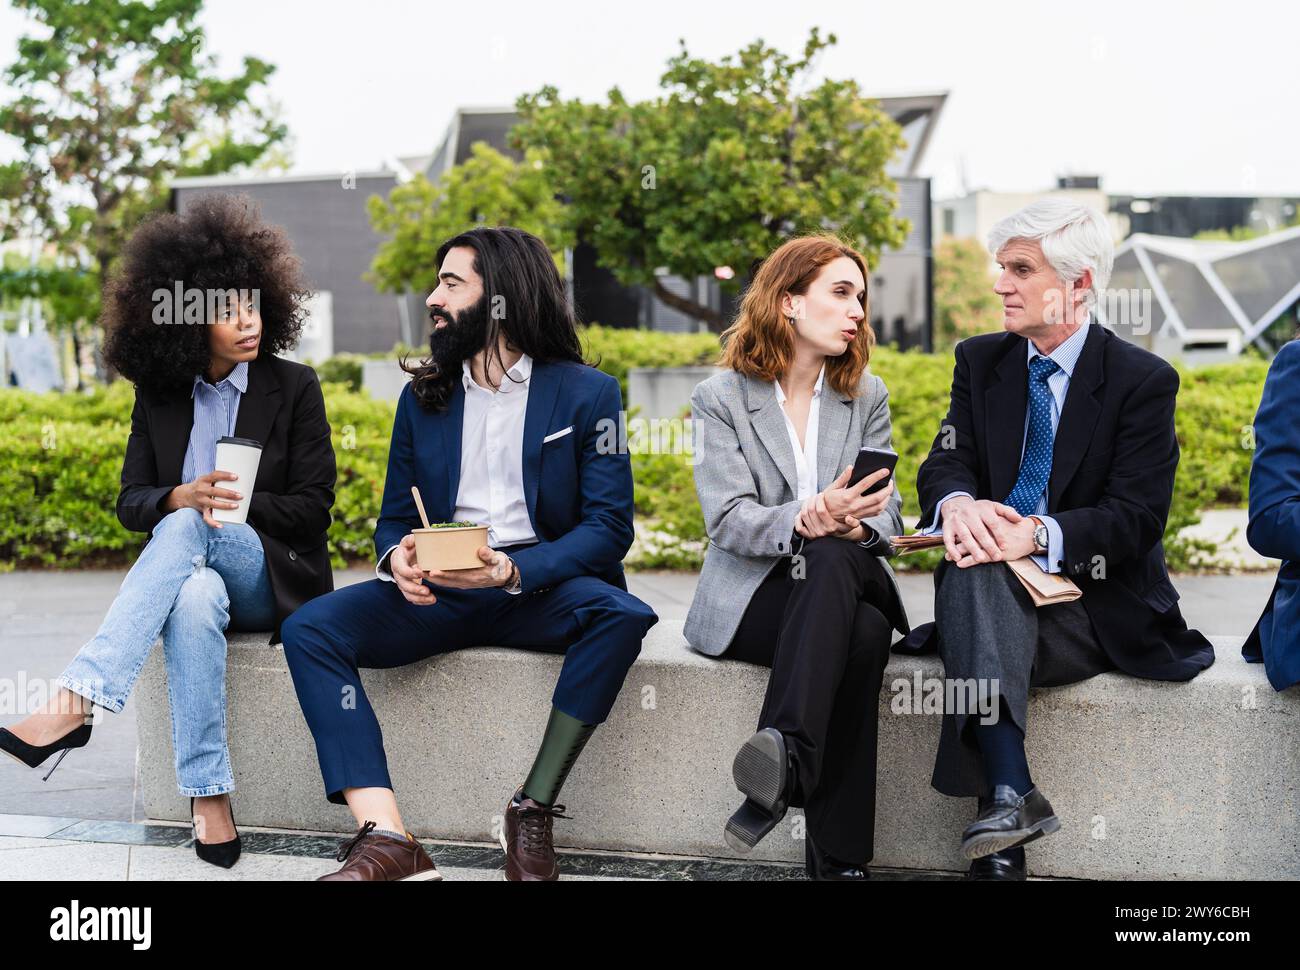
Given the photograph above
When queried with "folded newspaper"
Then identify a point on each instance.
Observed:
(1044, 588)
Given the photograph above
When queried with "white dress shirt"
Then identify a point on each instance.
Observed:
(805, 455)
(492, 456)
(491, 487)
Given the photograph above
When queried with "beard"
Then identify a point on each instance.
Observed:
(464, 336)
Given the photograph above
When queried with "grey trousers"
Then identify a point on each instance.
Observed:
(991, 632)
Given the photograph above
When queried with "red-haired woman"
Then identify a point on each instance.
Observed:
(795, 577)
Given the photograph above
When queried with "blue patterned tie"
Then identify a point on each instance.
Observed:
(1036, 465)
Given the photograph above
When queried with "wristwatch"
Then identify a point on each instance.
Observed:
(514, 585)
(1041, 538)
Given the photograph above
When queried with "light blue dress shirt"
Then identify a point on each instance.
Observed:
(215, 409)
(1066, 357)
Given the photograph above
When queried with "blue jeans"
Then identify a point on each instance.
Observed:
(190, 583)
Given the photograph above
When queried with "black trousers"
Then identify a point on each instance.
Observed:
(826, 637)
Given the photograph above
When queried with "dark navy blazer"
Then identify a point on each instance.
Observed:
(1274, 529)
(578, 484)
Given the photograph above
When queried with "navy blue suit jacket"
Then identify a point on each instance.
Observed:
(578, 485)
(1274, 529)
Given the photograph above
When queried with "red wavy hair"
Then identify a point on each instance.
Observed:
(760, 343)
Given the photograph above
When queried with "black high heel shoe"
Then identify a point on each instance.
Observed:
(33, 756)
(224, 854)
(765, 776)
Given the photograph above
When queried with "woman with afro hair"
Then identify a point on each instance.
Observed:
(203, 303)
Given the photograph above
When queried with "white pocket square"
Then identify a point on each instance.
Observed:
(558, 434)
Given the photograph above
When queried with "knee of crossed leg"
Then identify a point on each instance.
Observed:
(826, 547)
(180, 522)
(204, 591)
(958, 582)
(872, 634)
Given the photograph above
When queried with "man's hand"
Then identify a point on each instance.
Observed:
(407, 575)
(979, 532)
(205, 495)
(838, 510)
(497, 570)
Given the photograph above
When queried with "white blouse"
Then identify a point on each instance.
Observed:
(805, 458)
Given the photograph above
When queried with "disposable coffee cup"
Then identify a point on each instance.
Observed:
(450, 546)
(240, 456)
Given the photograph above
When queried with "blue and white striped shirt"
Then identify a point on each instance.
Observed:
(215, 410)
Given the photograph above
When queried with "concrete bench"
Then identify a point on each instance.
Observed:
(1151, 780)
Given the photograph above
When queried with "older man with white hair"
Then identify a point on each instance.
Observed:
(1058, 446)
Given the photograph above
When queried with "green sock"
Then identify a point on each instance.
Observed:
(564, 740)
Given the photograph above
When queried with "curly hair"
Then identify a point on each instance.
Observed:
(219, 243)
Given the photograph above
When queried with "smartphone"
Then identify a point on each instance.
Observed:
(871, 460)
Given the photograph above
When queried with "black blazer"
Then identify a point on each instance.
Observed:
(1112, 482)
(284, 409)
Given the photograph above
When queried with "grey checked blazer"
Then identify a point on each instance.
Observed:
(745, 478)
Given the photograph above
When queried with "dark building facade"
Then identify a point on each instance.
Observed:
(1186, 215)
(325, 216)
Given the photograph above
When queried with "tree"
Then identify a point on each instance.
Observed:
(486, 189)
(964, 301)
(113, 100)
(733, 159)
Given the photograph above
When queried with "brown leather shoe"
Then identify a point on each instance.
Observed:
(381, 858)
(526, 837)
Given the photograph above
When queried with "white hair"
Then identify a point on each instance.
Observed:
(1075, 237)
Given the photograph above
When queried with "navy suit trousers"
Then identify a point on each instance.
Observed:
(597, 626)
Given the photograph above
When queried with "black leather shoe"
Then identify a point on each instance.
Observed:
(33, 756)
(765, 777)
(1008, 821)
(997, 867)
(224, 854)
(826, 868)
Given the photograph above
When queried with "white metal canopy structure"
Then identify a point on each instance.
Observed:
(1205, 293)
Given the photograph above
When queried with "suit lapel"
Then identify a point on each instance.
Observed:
(543, 392)
(1005, 403)
(259, 404)
(171, 421)
(768, 421)
(1078, 416)
(833, 418)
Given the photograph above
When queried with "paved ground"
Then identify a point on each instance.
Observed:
(46, 616)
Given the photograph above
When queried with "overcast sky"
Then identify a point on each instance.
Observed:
(1155, 96)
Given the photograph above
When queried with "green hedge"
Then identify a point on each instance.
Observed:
(62, 463)
(61, 456)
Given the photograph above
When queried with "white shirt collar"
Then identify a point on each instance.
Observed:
(817, 388)
(516, 377)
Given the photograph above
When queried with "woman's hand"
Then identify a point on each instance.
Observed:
(205, 495)
(839, 509)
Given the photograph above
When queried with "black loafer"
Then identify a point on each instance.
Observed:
(1007, 821)
(822, 867)
(763, 774)
(995, 868)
